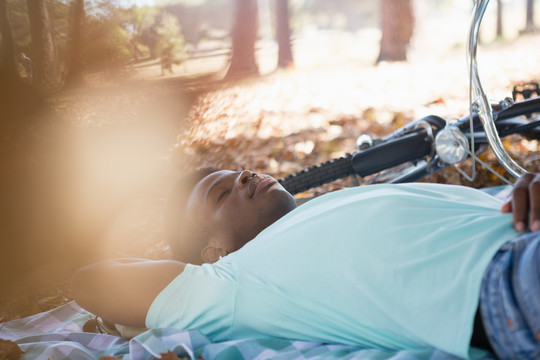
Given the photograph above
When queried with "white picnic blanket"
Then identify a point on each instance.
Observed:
(57, 334)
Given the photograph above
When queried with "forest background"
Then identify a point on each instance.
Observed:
(103, 104)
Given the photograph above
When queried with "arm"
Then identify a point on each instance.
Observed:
(525, 203)
(122, 290)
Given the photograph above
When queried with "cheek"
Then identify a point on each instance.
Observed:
(247, 218)
(240, 220)
(229, 214)
(235, 214)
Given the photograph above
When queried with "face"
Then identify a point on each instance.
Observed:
(236, 206)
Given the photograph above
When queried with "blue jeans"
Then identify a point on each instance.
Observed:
(510, 299)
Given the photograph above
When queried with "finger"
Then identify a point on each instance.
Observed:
(520, 202)
(507, 206)
(534, 203)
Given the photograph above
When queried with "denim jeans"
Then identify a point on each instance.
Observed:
(510, 299)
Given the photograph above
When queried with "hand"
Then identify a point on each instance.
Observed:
(525, 203)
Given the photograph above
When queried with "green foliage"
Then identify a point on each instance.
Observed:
(171, 42)
(141, 24)
(59, 15)
(108, 47)
(112, 36)
(20, 26)
(337, 14)
(144, 18)
(107, 44)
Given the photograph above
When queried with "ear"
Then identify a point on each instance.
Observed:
(211, 254)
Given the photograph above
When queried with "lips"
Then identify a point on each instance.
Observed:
(259, 184)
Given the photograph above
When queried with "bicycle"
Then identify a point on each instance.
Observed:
(433, 143)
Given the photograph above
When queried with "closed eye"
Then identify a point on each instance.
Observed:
(223, 195)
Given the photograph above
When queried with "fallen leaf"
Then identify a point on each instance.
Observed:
(9, 350)
(169, 355)
(439, 100)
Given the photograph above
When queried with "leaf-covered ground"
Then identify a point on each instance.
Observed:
(124, 144)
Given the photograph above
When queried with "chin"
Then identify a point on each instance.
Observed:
(282, 203)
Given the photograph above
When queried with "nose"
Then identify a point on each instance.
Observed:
(244, 178)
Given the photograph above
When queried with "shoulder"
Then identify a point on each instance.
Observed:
(202, 297)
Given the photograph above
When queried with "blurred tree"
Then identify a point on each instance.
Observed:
(9, 76)
(499, 29)
(283, 34)
(107, 46)
(203, 20)
(75, 64)
(244, 35)
(142, 25)
(8, 65)
(17, 97)
(397, 23)
(337, 14)
(171, 43)
(20, 27)
(150, 38)
(60, 22)
(45, 74)
(529, 21)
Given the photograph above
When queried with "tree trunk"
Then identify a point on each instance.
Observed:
(9, 76)
(529, 23)
(283, 34)
(8, 66)
(75, 67)
(17, 97)
(244, 35)
(499, 30)
(44, 66)
(397, 23)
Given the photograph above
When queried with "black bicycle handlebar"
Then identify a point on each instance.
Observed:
(408, 144)
(409, 147)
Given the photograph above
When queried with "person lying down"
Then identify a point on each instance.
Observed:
(391, 267)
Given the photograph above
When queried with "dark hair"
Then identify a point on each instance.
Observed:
(185, 237)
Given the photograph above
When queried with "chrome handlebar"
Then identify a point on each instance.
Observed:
(480, 102)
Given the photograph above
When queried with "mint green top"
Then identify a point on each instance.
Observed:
(384, 266)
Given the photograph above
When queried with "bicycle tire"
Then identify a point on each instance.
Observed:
(318, 175)
(409, 147)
